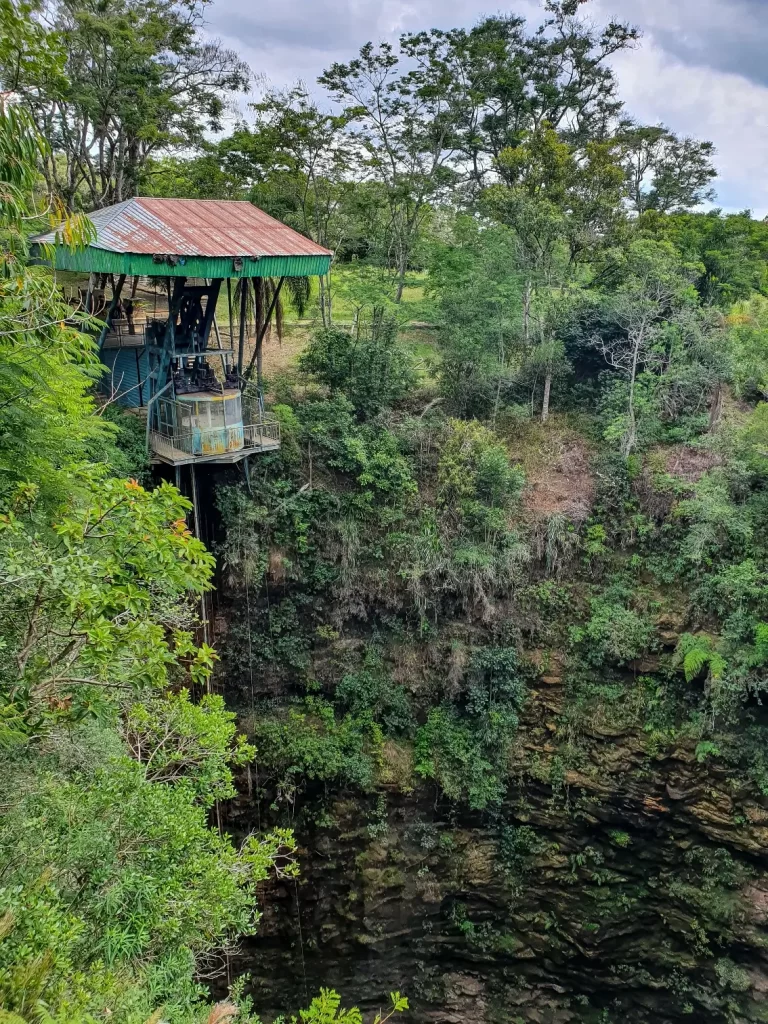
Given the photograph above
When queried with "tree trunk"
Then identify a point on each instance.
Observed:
(402, 267)
(717, 408)
(545, 400)
(631, 438)
(325, 300)
(527, 313)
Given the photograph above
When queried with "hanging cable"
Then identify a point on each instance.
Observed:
(301, 941)
(246, 574)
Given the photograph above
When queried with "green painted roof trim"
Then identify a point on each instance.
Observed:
(104, 261)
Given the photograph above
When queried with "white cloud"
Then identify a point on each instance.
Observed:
(698, 69)
(726, 108)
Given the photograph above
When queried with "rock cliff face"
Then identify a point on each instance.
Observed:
(627, 883)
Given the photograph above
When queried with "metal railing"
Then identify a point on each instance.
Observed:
(264, 434)
(121, 336)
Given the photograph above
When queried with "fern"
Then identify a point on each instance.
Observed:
(697, 652)
(694, 661)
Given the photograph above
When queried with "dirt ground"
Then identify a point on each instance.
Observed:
(556, 461)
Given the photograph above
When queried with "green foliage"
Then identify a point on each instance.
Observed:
(370, 693)
(664, 172)
(518, 844)
(372, 456)
(465, 748)
(192, 745)
(368, 366)
(115, 889)
(695, 653)
(475, 294)
(731, 251)
(115, 886)
(620, 839)
(326, 1009)
(613, 634)
(96, 605)
(475, 479)
(122, 69)
(47, 366)
(662, 345)
(130, 444)
(314, 744)
(716, 523)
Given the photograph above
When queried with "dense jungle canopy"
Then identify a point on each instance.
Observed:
(482, 719)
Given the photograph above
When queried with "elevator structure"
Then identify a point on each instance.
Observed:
(175, 363)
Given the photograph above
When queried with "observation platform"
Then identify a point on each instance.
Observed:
(176, 450)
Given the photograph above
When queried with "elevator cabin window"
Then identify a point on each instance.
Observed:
(215, 422)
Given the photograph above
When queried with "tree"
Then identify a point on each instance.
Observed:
(732, 250)
(30, 56)
(655, 315)
(475, 285)
(560, 210)
(295, 156)
(140, 80)
(402, 122)
(665, 172)
(47, 365)
(116, 894)
(367, 365)
(509, 82)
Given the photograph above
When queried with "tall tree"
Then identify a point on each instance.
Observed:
(560, 208)
(295, 155)
(654, 322)
(476, 288)
(140, 79)
(665, 172)
(511, 82)
(402, 121)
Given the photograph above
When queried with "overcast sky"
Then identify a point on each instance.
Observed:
(701, 67)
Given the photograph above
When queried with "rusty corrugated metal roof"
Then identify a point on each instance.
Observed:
(195, 227)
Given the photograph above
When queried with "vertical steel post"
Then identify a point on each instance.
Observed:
(198, 532)
(241, 346)
(116, 289)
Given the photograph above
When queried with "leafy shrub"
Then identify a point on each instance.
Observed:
(517, 845)
(114, 887)
(370, 693)
(475, 478)
(614, 633)
(717, 525)
(466, 749)
(695, 653)
(314, 744)
(368, 365)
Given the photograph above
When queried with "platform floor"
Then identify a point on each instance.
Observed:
(171, 456)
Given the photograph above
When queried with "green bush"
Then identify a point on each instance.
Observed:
(614, 634)
(114, 886)
(370, 693)
(368, 365)
(314, 744)
(465, 748)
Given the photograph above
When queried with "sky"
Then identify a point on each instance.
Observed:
(700, 67)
